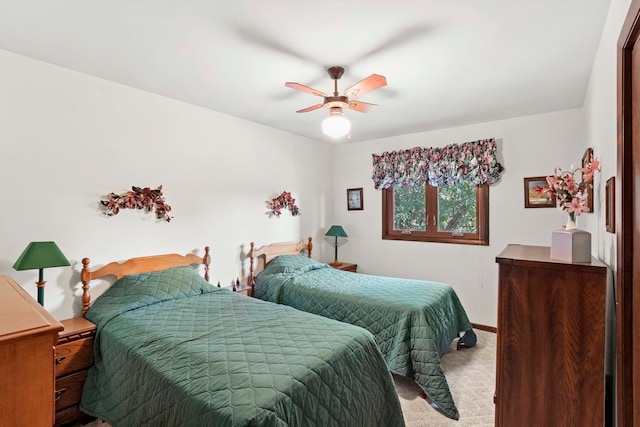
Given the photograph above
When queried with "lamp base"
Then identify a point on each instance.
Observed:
(40, 286)
(335, 263)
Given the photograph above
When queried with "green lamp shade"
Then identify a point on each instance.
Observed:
(40, 255)
(336, 231)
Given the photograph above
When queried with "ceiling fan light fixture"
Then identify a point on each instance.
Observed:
(336, 126)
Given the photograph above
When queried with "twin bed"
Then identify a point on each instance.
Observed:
(171, 349)
(414, 321)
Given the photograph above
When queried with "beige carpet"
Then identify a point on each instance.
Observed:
(471, 376)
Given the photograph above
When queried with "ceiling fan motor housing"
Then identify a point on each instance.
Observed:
(336, 101)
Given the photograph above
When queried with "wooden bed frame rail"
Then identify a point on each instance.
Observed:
(266, 253)
(136, 266)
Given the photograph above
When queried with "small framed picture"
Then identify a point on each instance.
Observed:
(354, 199)
(534, 198)
(610, 207)
(586, 159)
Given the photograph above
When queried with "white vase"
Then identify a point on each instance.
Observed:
(572, 221)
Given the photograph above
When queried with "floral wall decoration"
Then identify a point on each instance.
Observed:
(283, 201)
(138, 198)
(475, 162)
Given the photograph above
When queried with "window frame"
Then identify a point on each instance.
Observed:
(479, 238)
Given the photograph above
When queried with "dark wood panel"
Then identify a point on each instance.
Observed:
(627, 223)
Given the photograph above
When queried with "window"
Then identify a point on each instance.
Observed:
(455, 214)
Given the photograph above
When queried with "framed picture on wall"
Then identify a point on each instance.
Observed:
(534, 198)
(586, 158)
(610, 207)
(354, 199)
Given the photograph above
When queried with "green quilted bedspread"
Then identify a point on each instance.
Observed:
(172, 350)
(413, 321)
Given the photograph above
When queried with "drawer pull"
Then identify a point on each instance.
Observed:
(60, 359)
(59, 393)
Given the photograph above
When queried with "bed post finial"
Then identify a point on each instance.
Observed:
(251, 249)
(206, 260)
(310, 248)
(85, 277)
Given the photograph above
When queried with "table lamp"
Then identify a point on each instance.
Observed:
(40, 255)
(336, 231)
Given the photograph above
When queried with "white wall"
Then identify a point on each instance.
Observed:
(600, 110)
(68, 139)
(528, 146)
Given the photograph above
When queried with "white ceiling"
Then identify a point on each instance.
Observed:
(447, 63)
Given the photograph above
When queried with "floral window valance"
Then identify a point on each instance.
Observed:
(474, 162)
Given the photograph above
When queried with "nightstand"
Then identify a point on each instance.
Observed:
(345, 266)
(73, 358)
(244, 290)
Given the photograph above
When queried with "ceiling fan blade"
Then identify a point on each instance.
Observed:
(360, 106)
(262, 39)
(313, 107)
(374, 81)
(306, 89)
(408, 35)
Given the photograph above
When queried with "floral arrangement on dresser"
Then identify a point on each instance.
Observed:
(282, 202)
(138, 198)
(571, 195)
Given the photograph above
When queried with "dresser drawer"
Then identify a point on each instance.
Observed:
(73, 356)
(69, 389)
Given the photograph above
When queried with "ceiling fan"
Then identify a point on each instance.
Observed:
(374, 81)
(339, 126)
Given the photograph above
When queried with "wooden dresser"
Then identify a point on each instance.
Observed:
(27, 337)
(550, 368)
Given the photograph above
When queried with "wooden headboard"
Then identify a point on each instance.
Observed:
(266, 253)
(136, 266)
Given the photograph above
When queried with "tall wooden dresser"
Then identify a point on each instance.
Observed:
(27, 336)
(550, 368)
